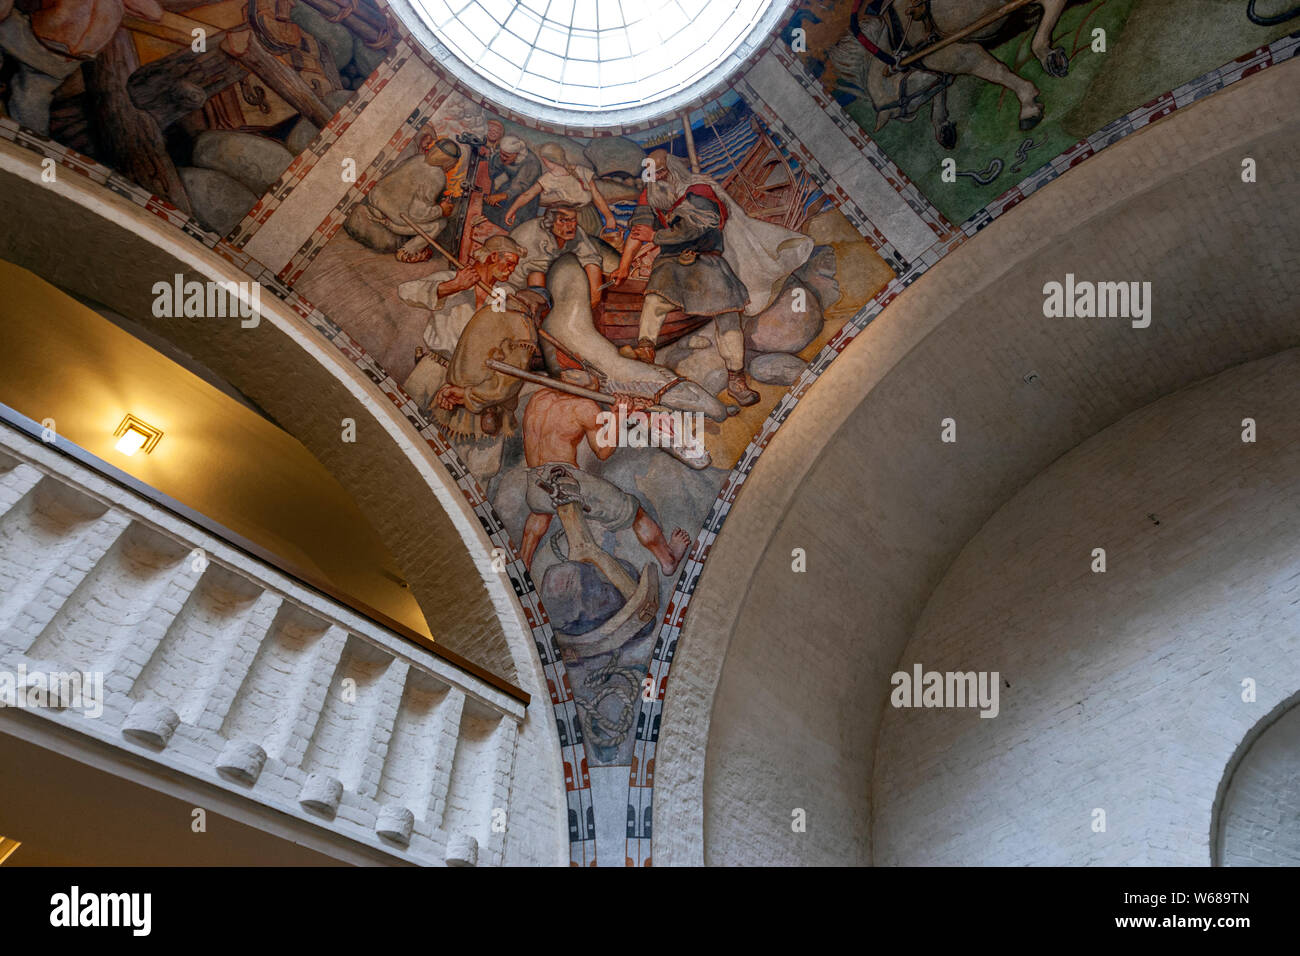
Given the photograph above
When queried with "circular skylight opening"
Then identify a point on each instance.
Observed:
(593, 56)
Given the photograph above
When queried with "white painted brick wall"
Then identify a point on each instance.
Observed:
(1125, 687)
(187, 664)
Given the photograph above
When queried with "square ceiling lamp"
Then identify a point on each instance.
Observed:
(133, 435)
(7, 847)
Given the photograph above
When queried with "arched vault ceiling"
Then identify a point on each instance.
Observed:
(308, 162)
(770, 660)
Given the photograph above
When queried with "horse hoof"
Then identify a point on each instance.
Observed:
(1057, 63)
(947, 136)
(1029, 122)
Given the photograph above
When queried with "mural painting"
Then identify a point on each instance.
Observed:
(526, 286)
(530, 288)
(204, 104)
(1009, 86)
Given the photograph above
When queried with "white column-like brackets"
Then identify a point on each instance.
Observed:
(462, 850)
(151, 723)
(322, 793)
(444, 751)
(242, 761)
(234, 669)
(51, 537)
(395, 823)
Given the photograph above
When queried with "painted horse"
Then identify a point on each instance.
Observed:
(884, 33)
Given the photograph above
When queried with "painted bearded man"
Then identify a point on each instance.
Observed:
(713, 260)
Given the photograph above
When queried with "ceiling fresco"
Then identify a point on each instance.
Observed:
(1007, 99)
(393, 289)
(491, 275)
(205, 104)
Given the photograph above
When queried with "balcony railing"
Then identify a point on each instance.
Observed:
(216, 663)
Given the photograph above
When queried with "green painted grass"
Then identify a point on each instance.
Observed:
(1152, 46)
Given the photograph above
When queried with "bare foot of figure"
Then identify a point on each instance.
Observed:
(678, 542)
(668, 550)
(412, 257)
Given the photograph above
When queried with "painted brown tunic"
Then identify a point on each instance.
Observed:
(508, 337)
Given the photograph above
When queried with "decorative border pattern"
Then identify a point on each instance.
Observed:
(641, 778)
(872, 153)
(581, 813)
(379, 167)
(305, 161)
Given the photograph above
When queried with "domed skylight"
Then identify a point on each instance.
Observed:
(593, 55)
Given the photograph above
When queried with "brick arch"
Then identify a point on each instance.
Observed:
(1254, 795)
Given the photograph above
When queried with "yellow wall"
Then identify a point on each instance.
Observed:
(61, 360)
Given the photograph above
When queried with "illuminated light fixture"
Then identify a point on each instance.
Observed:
(134, 435)
(7, 847)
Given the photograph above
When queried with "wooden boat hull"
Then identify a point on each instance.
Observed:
(618, 317)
